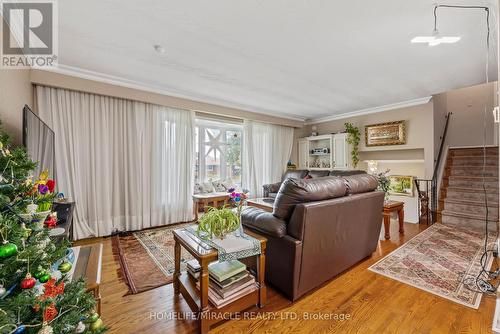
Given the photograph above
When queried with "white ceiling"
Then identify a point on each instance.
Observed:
(302, 59)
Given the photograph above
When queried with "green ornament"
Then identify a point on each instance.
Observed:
(39, 274)
(7, 249)
(93, 317)
(96, 325)
(45, 278)
(65, 267)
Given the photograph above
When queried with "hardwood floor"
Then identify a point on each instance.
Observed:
(373, 303)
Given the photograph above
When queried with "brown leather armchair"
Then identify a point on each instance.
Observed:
(271, 190)
(318, 228)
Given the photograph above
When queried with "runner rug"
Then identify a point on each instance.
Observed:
(147, 257)
(441, 260)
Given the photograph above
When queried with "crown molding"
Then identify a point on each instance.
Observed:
(404, 104)
(119, 81)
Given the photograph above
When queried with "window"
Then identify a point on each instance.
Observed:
(218, 151)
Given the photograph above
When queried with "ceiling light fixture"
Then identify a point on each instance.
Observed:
(158, 48)
(435, 38)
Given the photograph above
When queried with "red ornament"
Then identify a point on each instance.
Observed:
(50, 313)
(28, 282)
(51, 222)
(51, 184)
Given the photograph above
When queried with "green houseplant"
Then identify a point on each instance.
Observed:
(218, 222)
(353, 138)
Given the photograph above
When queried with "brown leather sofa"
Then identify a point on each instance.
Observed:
(318, 228)
(270, 190)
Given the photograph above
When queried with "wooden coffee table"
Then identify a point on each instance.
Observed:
(197, 300)
(210, 199)
(389, 207)
(264, 203)
(88, 261)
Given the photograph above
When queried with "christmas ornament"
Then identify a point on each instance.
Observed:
(51, 222)
(64, 267)
(80, 328)
(26, 231)
(3, 291)
(93, 317)
(28, 282)
(19, 330)
(46, 329)
(96, 325)
(7, 249)
(56, 274)
(39, 273)
(50, 313)
(44, 278)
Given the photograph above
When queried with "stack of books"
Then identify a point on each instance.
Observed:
(193, 268)
(228, 281)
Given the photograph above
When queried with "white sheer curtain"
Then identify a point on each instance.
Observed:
(127, 165)
(266, 151)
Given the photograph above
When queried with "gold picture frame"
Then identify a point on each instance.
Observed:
(401, 185)
(391, 133)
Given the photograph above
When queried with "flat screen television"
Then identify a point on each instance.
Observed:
(39, 140)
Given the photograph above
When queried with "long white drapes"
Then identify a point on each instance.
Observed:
(266, 150)
(128, 165)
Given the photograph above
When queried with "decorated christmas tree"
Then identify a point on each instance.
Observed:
(36, 295)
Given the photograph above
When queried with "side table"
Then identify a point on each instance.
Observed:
(389, 207)
(198, 299)
(204, 200)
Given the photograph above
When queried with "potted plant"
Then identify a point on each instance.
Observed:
(353, 138)
(218, 222)
(384, 183)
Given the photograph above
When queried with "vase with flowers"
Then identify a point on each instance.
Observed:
(239, 200)
(384, 183)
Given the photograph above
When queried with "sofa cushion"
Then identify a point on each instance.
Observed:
(295, 174)
(346, 172)
(360, 183)
(263, 222)
(295, 191)
(318, 173)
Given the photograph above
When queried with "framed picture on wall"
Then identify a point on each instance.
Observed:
(392, 133)
(401, 185)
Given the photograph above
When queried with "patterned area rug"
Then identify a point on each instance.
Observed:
(438, 260)
(147, 257)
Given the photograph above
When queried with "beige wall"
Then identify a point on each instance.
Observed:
(419, 129)
(466, 126)
(15, 92)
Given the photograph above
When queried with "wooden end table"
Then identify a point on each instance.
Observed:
(389, 207)
(198, 299)
(265, 203)
(205, 200)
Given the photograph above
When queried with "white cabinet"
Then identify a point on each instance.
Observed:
(341, 151)
(325, 152)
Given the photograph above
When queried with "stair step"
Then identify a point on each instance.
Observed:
(471, 208)
(472, 183)
(475, 151)
(467, 215)
(492, 205)
(475, 195)
(472, 161)
(490, 171)
(479, 190)
(467, 222)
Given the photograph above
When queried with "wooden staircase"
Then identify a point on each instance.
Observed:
(461, 196)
